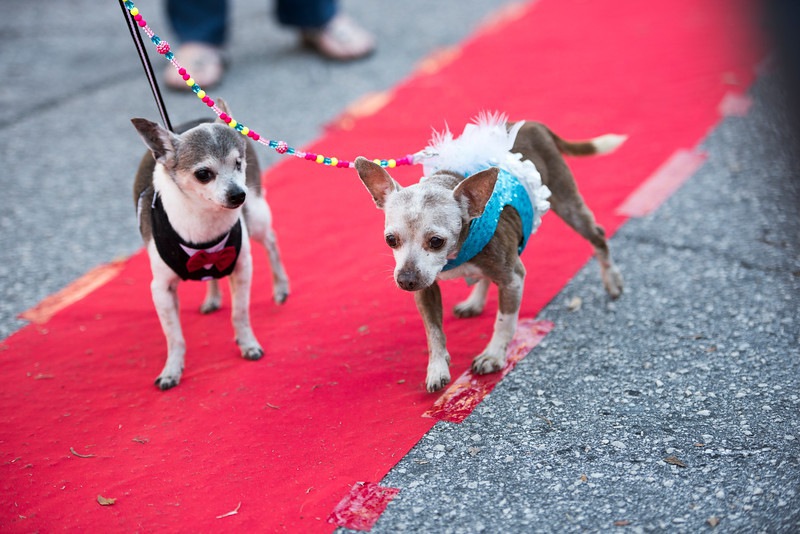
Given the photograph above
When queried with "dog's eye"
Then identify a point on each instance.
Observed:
(436, 242)
(238, 165)
(203, 175)
(391, 240)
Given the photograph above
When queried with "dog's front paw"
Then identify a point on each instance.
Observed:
(167, 381)
(487, 362)
(171, 373)
(438, 376)
(280, 292)
(253, 352)
(612, 281)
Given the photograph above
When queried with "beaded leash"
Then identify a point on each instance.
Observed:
(281, 147)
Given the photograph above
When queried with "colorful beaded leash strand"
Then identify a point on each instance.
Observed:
(281, 147)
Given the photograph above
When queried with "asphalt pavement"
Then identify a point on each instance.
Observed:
(673, 409)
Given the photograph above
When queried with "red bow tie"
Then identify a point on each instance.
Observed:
(221, 259)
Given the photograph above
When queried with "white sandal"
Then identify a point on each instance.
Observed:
(202, 61)
(341, 39)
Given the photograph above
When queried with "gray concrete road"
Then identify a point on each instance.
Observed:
(697, 363)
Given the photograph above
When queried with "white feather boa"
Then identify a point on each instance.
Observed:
(485, 143)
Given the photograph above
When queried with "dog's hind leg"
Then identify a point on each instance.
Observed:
(474, 304)
(567, 202)
(538, 144)
(259, 224)
(612, 278)
(576, 214)
(213, 300)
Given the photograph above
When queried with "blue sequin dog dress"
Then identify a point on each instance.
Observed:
(487, 143)
(508, 191)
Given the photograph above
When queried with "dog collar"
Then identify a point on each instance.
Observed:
(194, 261)
(508, 191)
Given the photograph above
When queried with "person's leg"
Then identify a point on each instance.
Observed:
(324, 29)
(203, 21)
(201, 28)
(305, 13)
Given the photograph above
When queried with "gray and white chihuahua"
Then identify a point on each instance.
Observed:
(199, 199)
(428, 225)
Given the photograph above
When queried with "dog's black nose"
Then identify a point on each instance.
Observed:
(408, 280)
(236, 198)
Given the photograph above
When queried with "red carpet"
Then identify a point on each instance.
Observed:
(339, 397)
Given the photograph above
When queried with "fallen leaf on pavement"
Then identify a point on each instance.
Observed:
(105, 502)
(575, 304)
(674, 461)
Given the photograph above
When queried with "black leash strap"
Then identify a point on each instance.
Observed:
(148, 68)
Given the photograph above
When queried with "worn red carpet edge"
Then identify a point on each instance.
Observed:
(339, 397)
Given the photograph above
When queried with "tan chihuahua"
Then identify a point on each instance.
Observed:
(448, 226)
(199, 199)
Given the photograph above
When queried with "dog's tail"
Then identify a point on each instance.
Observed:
(599, 145)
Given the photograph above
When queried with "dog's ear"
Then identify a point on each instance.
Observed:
(474, 192)
(159, 140)
(377, 180)
(221, 104)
